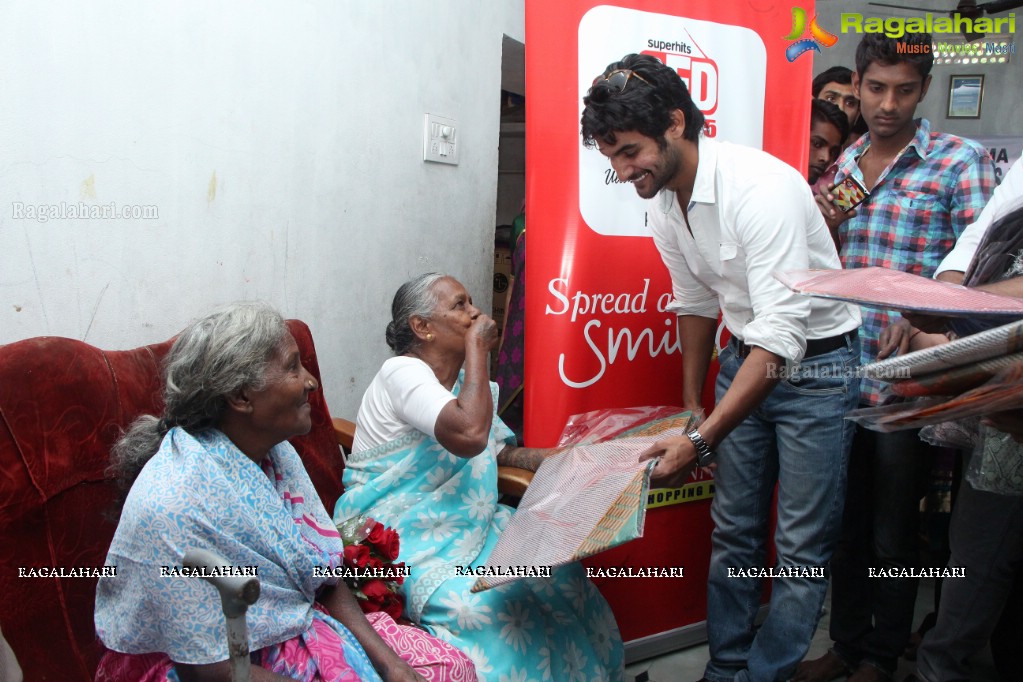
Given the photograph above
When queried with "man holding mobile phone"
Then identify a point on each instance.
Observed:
(724, 218)
(924, 189)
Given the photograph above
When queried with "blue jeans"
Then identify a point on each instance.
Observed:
(798, 439)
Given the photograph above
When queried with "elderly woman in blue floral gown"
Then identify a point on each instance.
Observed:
(216, 472)
(427, 446)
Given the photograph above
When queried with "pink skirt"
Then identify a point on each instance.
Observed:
(314, 656)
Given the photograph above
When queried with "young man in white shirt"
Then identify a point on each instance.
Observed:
(724, 219)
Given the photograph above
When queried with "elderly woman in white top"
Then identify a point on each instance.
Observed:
(427, 445)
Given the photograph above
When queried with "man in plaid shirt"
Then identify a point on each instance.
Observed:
(925, 188)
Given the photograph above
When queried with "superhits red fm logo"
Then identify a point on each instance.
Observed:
(700, 74)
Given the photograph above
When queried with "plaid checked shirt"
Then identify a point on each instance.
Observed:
(920, 205)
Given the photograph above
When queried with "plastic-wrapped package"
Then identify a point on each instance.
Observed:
(997, 463)
(1003, 392)
(601, 425)
(588, 498)
(961, 434)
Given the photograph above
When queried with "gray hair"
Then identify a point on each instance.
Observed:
(211, 359)
(414, 298)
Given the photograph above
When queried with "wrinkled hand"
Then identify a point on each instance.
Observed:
(482, 332)
(678, 459)
(833, 215)
(894, 337)
(402, 673)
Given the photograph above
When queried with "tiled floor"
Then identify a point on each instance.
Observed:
(687, 665)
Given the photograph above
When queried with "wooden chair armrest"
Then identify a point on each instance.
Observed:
(512, 481)
(344, 430)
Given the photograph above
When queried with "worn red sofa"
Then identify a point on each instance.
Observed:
(62, 405)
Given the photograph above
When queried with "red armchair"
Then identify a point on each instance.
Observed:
(63, 403)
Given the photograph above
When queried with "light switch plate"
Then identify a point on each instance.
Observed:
(440, 139)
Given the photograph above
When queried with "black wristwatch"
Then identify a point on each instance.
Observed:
(704, 455)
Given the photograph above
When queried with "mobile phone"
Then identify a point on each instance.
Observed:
(849, 194)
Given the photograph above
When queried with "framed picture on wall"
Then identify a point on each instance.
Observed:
(965, 93)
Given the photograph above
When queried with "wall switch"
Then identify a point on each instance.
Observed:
(440, 140)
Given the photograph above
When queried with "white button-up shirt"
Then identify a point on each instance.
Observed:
(752, 215)
(1007, 196)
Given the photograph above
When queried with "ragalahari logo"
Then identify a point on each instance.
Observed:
(818, 36)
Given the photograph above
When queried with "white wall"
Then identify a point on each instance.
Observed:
(1003, 83)
(280, 142)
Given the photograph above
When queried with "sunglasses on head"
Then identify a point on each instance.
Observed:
(619, 78)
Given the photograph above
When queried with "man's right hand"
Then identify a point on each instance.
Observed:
(677, 461)
(833, 215)
(894, 338)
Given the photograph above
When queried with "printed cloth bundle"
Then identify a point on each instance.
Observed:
(968, 377)
(898, 290)
(587, 499)
(980, 373)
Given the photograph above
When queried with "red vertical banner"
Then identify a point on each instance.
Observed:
(597, 331)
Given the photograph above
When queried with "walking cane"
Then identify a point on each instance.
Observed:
(237, 594)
